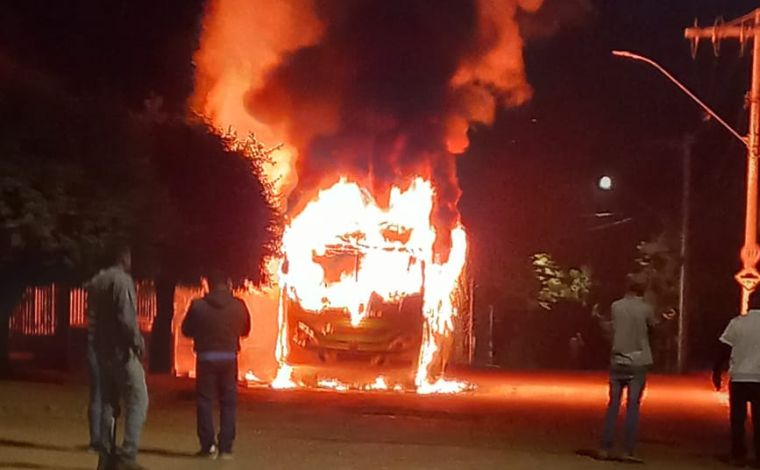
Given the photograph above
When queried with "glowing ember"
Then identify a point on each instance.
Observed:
(333, 384)
(442, 386)
(284, 379)
(378, 384)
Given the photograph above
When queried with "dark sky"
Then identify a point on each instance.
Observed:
(528, 182)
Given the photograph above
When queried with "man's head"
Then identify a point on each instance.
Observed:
(217, 280)
(754, 301)
(122, 256)
(635, 287)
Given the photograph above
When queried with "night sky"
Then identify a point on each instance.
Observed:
(529, 181)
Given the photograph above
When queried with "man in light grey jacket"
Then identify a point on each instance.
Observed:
(630, 359)
(118, 347)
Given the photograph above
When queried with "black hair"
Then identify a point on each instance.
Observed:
(635, 287)
(217, 277)
(754, 301)
(118, 250)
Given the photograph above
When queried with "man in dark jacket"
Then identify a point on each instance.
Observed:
(216, 323)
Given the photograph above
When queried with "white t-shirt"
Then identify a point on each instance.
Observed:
(743, 335)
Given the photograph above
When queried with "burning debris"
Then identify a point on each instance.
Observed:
(372, 101)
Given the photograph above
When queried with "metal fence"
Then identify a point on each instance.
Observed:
(78, 308)
(36, 314)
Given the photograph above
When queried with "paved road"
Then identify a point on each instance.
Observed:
(511, 420)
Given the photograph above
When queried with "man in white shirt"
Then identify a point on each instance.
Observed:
(740, 343)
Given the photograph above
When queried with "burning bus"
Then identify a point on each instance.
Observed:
(359, 282)
(370, 104)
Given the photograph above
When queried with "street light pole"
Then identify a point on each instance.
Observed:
(744, 29)
(682, 340)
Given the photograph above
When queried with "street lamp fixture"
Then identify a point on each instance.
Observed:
(707, 109)
(605, 183)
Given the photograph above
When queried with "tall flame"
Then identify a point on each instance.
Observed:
(372, 101)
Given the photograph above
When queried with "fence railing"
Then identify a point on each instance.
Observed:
(36, 314)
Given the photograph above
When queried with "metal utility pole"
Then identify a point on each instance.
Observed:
(744, 29)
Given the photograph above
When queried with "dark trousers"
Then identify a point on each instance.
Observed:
(216, 379)
(739, 394)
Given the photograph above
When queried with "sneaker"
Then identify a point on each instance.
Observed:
(226, 456)
(128, 465)
(210, 453)
(602, 454)
(630, 458)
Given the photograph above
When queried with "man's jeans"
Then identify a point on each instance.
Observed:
(634, 379)
(739, 394)
(216, 378)
(94, 406)
(123, 382)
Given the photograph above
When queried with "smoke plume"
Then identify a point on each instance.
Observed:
(380, 91)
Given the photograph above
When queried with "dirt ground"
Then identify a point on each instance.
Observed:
(511, 420)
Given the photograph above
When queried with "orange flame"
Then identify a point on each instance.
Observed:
(402, 220)
(396, 259)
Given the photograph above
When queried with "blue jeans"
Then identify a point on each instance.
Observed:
(94, 407)
(216, 379)
(122, 382)
(633, 379)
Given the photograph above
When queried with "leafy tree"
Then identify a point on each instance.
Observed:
(558, 284)
(658, 268)
(78, 175)
(69, 172)
(224, 219)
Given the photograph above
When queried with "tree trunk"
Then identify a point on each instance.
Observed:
(161, 358)
(11, 293)
(62, 313)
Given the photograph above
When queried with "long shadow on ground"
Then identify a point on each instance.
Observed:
(57, 448)
(38, 466)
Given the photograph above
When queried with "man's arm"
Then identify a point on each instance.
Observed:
(722, 356)
(91, 313)
(126, 308)
(605, 324)
(246, 325)
(188, 324)
(653, 320)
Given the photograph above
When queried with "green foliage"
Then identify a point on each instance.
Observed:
(558, 284)
(63, 189)
(658, 268)
(77, 175)
(224, 215)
